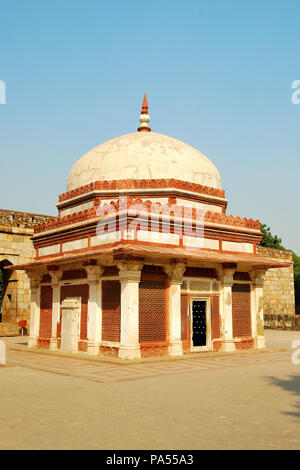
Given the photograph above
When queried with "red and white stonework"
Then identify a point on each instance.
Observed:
(120, 272)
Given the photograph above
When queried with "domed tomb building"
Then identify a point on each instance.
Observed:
(143, 259)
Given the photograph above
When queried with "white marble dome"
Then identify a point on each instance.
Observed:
(144, 155)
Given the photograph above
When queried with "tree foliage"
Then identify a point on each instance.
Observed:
(269, 240)
(296, 260)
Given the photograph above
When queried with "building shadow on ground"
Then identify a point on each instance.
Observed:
(291, 385)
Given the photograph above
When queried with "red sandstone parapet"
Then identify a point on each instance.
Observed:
(176, 211)
(141, 184)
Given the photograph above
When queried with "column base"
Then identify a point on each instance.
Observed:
(32, 342)
(93, 349)
(175, 349)
(68, 349)
(228, 345)
(129, 352)
(53, 344)
(260, 342)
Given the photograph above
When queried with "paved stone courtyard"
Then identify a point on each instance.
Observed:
(239, 401)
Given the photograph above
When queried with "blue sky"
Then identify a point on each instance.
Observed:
(218, 76)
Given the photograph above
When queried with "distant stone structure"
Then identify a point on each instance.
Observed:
(279, 295)
(16, 229)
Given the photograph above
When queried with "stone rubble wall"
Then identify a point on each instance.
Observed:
(16, 247)
(279, 294)
(282, 322)
(22, 219)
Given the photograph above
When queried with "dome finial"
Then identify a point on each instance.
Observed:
(144, 117)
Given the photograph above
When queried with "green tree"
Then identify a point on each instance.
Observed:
(269, 240)
(296, 260)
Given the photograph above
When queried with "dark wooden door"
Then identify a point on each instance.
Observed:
(199, 322)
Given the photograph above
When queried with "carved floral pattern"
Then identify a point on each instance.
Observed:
(56, 276)
(257, 277)
(141, 184)
(93, 272)
(175, 271)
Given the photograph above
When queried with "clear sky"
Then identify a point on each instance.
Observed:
(218, 76)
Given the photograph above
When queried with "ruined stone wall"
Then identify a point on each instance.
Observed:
(282, 322)
(22, 219)
(279, 295)
(16, 247)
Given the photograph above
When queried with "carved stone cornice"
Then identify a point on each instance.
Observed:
(93, 212)
(175, 272)
(141, 184)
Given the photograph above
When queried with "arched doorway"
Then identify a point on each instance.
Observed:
(6, 300)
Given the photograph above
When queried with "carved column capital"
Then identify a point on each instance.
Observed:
(220, 273)
(34, 279)
(130, 276)
(257, 277)
(130, 270)
(56, 276)
(94, 272)
(227, 277)
(129, 265)
(175, 272)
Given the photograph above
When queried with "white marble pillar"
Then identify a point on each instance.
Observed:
(257, 314)
(70, 320)
(227, 283)
(2, 353)
(130, 276)
(94, 322)
(175, 274)
(34, 279)
(56, 277)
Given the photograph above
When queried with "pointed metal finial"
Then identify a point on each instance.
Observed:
(145, 105)
(144, 117)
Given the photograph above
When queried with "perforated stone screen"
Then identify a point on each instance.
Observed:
(184, 316)
(46, 312)
(111, 310)
(152, 310)
(241, 310)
